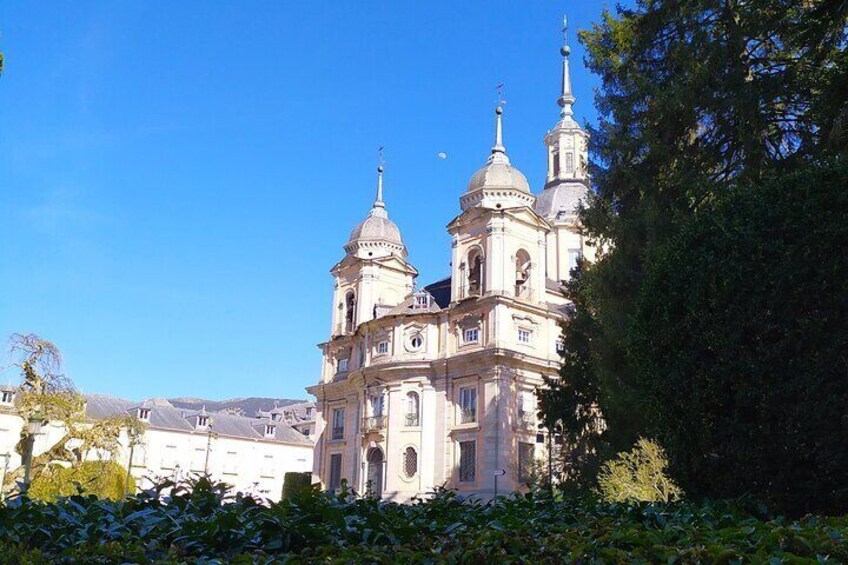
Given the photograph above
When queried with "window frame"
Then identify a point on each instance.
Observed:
(466, 475)
(337, 429)
(525, 467)
(467, 407)
(406, 460)
(525, 332)
(465, 335)
(412, 417)
(334, 479)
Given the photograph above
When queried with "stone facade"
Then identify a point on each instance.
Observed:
(251, 454)
(437, 386)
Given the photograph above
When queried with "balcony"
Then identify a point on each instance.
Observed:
(374, 424)
(467, 416)
(526, 420)
(413, 420)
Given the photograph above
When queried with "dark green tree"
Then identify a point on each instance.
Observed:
(741, 339)
(697, 97)
(569, 403)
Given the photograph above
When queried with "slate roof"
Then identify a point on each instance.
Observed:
(291, 413)
(164, 416)
(440, 291)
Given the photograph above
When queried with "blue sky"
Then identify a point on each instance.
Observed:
(177, 178)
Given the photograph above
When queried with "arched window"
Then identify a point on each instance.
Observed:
(410, 462)
(413, 409)
(350, 312)
(475, 273)
(522, 273)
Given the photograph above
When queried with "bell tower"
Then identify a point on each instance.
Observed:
(374, 275)
(567, 180)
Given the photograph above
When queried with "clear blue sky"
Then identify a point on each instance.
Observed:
(177, 178)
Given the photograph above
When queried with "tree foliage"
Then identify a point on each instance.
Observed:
(569, 403)
(698, 100)
(740, 336)
(47, 395)
(638, 475)
(103, 479)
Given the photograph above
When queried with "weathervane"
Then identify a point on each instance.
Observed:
(380, 160)
(564, 29)
(501, 101)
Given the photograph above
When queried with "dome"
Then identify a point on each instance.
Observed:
(498, 173)
(376, 228)
(560, 200)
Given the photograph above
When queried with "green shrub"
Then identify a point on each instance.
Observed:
(638, 475)
(202, 522)
(103, 479)
(294, 483)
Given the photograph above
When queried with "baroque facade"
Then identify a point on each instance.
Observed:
(436, 386)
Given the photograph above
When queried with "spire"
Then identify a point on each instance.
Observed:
(566, 100)
(498, 149)
(378, 203)
(379, 208)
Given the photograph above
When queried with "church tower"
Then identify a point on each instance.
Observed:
(374, 275)
(498, 240)
(567, 181)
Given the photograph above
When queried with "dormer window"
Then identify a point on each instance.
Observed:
(270, 430)
(309, 411)
(144, 414)
(383, 347)
(7, 397)
(203, 422)
(422, 301)
(343, 363)
(470, 335)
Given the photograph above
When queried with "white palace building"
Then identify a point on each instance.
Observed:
(430, 387)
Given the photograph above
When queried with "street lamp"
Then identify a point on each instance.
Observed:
(6, 457)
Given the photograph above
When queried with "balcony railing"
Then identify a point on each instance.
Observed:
(338, 433)
(526, 420)
(374, 424)
(413, 420)
(467, 416)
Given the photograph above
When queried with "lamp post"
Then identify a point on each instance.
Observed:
(34, 425)
(132, 438)
(6, 457)
(208, 449)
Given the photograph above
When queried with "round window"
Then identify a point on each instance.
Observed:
(416, 340)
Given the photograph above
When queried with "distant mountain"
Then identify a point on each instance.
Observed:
(247, 406)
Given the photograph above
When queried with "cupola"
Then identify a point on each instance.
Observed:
(377, 235)
(497, 184)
